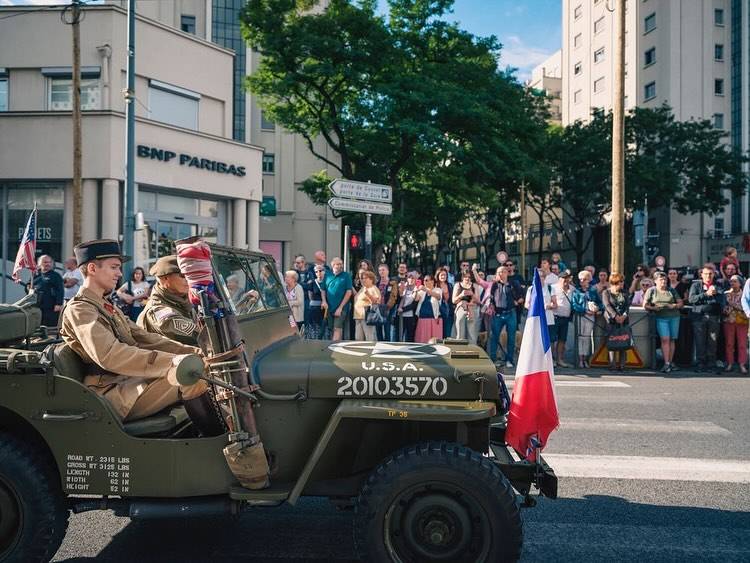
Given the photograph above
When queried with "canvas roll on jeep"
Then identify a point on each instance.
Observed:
(409, 435)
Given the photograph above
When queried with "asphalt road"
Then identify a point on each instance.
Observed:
(651, 468)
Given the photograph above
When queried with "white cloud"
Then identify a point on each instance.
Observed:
(515, 53)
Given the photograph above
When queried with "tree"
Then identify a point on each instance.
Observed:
(410, 100)
(683, 165)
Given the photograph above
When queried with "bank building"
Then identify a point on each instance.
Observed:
(195, 172)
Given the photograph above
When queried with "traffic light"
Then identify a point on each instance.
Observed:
(355, 240)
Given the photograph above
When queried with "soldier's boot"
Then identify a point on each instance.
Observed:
(248, 462)
(205, 415)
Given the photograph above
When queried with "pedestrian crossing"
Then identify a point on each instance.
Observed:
(644, 468)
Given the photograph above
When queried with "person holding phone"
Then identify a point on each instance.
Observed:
(466, 298)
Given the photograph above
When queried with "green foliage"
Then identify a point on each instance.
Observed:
(410, 100)
(684, 165)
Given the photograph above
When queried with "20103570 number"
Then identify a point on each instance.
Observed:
(382, 386)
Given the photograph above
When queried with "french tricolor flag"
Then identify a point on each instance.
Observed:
(533, 408)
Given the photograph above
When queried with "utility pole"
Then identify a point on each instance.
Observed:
(618, 145)
(128, 223)
(74, 19)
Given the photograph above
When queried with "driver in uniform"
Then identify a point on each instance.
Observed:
(132, 369)
(168, 310)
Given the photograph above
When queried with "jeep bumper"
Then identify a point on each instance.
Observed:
(521, 474)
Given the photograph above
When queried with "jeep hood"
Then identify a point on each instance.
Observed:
(388, 370)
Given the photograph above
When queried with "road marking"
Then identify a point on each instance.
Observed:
(641, 425)
(649, 468)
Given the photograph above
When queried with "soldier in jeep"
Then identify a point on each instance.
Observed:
(168, 310)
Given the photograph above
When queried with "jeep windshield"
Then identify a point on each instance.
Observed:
(249, 283)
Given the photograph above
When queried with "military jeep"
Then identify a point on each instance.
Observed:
(411, 436)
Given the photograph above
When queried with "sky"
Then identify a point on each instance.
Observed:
(529, 30)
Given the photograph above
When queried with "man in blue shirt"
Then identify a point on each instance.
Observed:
(339, 289)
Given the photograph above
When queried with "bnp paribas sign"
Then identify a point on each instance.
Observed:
(189, 160)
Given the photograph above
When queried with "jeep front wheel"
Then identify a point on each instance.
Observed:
(33, 516)
(437, 501)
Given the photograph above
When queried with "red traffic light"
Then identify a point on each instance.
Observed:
(355, 241)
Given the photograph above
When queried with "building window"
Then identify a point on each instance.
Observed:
(19, 200)
(577, 41)
(61, 94)
(649, 57)
(173, 105)
(3, 94)
(599, 85)
(719, 86)
(599, 25)
(649, 91)
(718, 121)
(265, 123)
(719, 52)
(577, 68)
(577, 96)
(718, 227)
(226, 32)
(578, 12)
(649, 23)
(187, 24)
(718, 16)
(599, 55)
(269, 164)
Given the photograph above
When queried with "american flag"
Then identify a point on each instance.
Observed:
(26, 257)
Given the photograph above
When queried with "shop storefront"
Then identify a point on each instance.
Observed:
(16, 201)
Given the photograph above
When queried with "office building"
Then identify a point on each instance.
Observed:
(298, 226)
(192, 178)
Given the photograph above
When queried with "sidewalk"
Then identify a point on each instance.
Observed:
(596, 372)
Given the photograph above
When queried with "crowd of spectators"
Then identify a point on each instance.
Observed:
(489, 310)
(327, 302)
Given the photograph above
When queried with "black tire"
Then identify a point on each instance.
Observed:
(33, 515)
(437, 501)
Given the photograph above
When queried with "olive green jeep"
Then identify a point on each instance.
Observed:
(411, 436)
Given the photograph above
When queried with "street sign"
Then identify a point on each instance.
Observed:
(342, 204)
(362, 190)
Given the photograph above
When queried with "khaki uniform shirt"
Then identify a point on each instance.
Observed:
(127, 357)
(169, 315)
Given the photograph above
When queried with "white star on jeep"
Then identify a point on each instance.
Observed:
(390, 350)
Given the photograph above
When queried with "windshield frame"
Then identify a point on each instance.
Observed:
(250, 263)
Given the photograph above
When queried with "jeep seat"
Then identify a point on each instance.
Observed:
(160, 423)
(69, 364)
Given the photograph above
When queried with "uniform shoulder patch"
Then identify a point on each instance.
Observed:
(184, 326)
(161, 314)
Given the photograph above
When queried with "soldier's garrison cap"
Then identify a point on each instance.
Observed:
(164, 266)
(98, 250)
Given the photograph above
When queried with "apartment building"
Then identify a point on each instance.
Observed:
(679, 53)
(191, 177)
(547, 79)
(290, 223)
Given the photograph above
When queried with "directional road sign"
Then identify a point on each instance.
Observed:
(343, 204)
(362, 190)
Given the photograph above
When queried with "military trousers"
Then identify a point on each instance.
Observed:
(160, 394)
